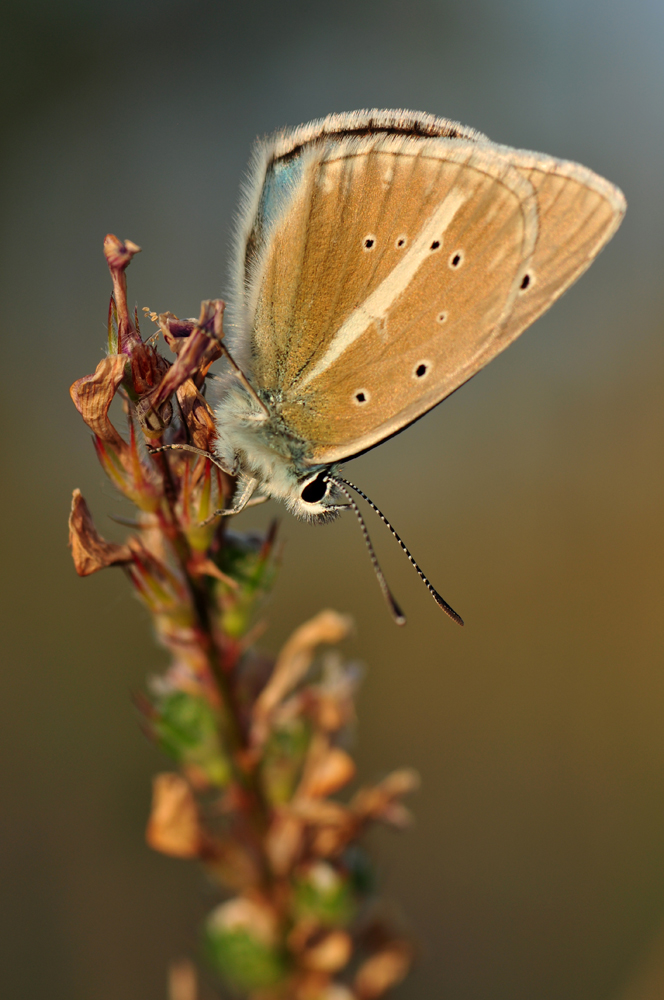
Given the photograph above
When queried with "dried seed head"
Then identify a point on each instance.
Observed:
(118, 253)
(118, 257)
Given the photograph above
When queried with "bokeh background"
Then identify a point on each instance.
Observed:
(533, 497)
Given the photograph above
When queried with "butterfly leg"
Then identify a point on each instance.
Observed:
(247, 487)
(196, 451)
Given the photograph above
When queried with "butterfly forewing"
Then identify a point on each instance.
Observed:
(385, 270)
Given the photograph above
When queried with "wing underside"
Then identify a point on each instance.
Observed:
(383, 270)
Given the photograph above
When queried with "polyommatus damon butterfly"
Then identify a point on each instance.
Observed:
(381, 259)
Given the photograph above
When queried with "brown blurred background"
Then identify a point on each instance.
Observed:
(533, 497)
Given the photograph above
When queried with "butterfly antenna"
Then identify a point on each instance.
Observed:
(395, 610)
(434, 593)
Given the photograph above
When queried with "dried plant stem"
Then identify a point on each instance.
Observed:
(257, 743)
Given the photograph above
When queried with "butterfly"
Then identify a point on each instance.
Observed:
(381, 259)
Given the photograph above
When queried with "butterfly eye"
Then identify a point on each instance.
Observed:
(369, 242)
(456, 258)
(314, 491)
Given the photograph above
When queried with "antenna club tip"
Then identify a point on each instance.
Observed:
(444, 606)
(397, 614)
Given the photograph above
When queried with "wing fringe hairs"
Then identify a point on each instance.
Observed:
(255, 743)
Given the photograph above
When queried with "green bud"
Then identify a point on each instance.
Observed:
(248, 559)
(324, 894)
(283, 758)
(186, 728)
(241, 944)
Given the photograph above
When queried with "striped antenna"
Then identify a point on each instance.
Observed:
(434, 593)
(395, 610)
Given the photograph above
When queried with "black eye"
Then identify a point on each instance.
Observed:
(315, 490)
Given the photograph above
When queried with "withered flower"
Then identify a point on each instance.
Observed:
(259, 747)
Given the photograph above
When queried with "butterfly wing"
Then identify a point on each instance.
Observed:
(383, 266)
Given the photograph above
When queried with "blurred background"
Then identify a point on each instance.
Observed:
(533, 497)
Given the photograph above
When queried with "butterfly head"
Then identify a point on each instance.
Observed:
(313, 497)
(317, 497)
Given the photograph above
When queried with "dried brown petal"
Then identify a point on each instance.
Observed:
(330, 841)
(379, 802)
(118, 253)
(173, 827)
(329, 953)
(401, 782)
(89, 550)
(197, 416)
(212, 316)
(147, 368)
(283, 842)
(384, 970)
(200, 565)
(321, 812)
(193, 356)
(330, 773)
(328, 712)
(174, 330)
(397, 815)
(332, 705)
(293, 662)
(182, 981)
(92, 397)
(331, 826)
